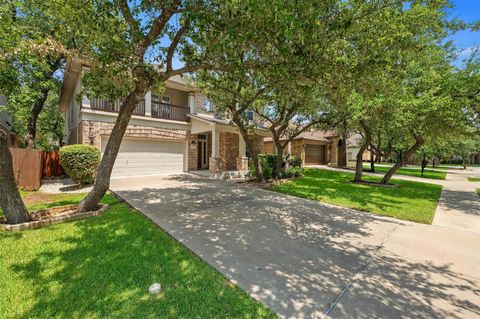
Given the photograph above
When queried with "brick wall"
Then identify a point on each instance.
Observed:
(192, 154)
(229, 146)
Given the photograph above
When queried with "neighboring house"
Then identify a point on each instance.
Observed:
(177, 131)
(353, 147)
(314, 148)
(6, 124)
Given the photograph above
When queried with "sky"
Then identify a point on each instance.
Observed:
(468, 11)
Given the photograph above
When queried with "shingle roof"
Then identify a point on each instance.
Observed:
(323, 136)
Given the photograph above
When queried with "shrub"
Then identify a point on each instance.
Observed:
(267, 161)
(292, 172)
(80, 162)
(293, 160)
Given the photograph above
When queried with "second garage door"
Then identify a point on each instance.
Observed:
(147, 156)
(314, 154)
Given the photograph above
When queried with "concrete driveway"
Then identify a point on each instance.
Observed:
(305, 259)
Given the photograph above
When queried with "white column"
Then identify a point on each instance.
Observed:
(242, 146)
(215, 143)
(191, 103)
(148, 104)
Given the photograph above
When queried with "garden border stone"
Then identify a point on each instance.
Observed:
(52, 216)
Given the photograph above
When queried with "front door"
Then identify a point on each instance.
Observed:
(202, 154)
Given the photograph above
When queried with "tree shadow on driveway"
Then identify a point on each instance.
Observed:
(297, 255)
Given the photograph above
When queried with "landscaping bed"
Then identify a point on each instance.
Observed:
(51, 216)
(408, 200)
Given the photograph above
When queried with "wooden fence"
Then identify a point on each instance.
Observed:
(51, 164)
(29, 166)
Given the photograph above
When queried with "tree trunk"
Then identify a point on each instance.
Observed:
(359, 163)
(424, 164)
(372, 161)
(10, 200)
(433, 162)
(249, 141)
(279, 158)
(388, 175)
(32, 120)
(102, 180)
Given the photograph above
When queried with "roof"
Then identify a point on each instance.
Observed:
(219, 121)
(321, 136)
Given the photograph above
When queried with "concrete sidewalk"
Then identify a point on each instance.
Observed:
(306, 259)
(459, 204)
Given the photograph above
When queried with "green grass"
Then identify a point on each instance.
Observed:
(412, 171)
(474, 179)
(102, 267)
(38, 200)
(478, 191)
(412, 201)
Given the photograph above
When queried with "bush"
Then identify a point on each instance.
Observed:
(293, 172)
(80, 162)
(267, 161)
(293, 161)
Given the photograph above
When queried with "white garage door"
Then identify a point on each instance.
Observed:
(146, 157)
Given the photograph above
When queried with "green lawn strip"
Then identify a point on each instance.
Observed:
(474, 179)
(411, 171)
(478, 191)
(101, 267)
(412, 201)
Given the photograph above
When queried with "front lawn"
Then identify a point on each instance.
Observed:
(412, 201)
(474, 179)
(411, 171)
(102, 267)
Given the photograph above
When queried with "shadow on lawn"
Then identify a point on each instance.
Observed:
(297, 255)
(400, 202)
(102, 267)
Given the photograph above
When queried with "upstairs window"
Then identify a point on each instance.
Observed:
(207, 105)
(166, 99)
(250, 115)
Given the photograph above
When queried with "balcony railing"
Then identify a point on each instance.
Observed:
(108, 106)
(168, 111)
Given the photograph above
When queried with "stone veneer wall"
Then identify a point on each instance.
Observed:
(297, 149)
(100, 128)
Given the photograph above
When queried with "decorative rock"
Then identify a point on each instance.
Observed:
(155, 288)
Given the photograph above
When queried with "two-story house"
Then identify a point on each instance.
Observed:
(174, 131)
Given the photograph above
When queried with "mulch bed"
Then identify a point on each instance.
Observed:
(51, 216)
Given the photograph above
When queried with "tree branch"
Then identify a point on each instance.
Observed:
(127, 15)
(159, 24)
(174, 44)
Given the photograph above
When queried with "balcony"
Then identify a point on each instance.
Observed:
(157, 109)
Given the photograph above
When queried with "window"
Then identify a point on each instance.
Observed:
(250, 115)
(166, 99)
(207, 105)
